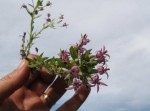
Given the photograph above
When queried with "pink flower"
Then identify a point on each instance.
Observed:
(74, 71)
(48, 15)
(81, 51)
(64, 56)
(96, 81)
(101, 70)
(76, 84)
(75, 45)
(101, 55)
(84, 40)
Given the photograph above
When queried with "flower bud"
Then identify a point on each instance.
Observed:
(48, 3)
(84, 40)
(65, 25)
(61, 16)
(48, 20)
(48, 15)
(24, 6)
(41, 8)
(36, 12)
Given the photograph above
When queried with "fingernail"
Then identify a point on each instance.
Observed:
(22, 62)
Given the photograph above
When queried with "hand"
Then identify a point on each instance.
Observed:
(22, 90)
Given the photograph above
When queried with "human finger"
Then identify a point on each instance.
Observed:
(77, 100)
(42, 82)
(39, 86)
(14, 80)
(54, 93)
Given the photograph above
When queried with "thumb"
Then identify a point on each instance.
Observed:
(14, 80)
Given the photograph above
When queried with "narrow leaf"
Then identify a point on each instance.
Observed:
(73, 53)
(31, 5)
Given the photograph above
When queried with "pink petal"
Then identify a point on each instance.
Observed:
(101, 83)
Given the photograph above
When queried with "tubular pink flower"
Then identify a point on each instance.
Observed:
(103, 70)
(64, 56)
(84, 40)
(101, 55)
(74, 71)
(76, 84)
(96, 81)
(81, 51)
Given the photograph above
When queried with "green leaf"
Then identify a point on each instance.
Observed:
(40, 57)
(59, 21)
(39, 2)
(45, 58)
(87, 53)
(33, 65)
(85, 56)
(70, 81)
(52, 61)
(91, 64)
(37, 16)
(47, 67)
(30, 60)
(73, 53)
(31, 5)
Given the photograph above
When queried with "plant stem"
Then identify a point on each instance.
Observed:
(30, 42)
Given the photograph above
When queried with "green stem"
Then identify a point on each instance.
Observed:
(40, 31)
(29, 44)
(31, 34)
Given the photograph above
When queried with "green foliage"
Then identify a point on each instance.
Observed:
(38, 62)
(78, 63)
(85, 56)
(73, 53)
(33, 12)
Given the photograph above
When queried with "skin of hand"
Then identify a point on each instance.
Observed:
(22, 90)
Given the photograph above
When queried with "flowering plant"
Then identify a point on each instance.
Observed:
(77, 66)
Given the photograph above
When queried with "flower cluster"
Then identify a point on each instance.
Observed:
(78, 66)
(83, 65)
